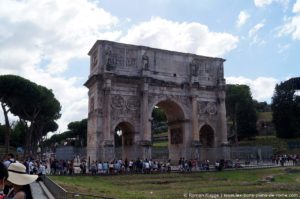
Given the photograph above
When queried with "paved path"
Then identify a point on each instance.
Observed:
(37, 191)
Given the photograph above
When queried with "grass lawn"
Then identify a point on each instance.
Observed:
(175, 185)
(160, 144)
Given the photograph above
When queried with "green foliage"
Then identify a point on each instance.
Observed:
(77, 132)
(159, 122)
(246, 120)
(241, 111)
(158, 115)
(286, 111)
(261, 106)
(18, 134)
(32, 103)
(2, 134)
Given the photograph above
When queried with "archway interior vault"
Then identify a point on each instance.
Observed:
(206, 136)
(172, 110)
(124, 140)
(175, 121)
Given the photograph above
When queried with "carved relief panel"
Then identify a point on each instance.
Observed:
(207, 108)
(125, 107)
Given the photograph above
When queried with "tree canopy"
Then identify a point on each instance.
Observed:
(240, 111)
(286, 109)
(35, 105)
(75, 136)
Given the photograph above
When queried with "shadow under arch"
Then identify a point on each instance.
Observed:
(124, 140)
(207, 136)
(168, 105)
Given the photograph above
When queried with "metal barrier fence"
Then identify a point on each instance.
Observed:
(60, 193)
(249, 153)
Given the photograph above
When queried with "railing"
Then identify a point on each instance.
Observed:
(60, 193)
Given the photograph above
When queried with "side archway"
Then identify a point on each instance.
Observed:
(207, 136)
(124, 141)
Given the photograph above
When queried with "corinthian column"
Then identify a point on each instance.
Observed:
(223, 122)
(107, 144)
(145, 142)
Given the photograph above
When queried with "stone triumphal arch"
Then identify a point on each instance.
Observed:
(126, 82)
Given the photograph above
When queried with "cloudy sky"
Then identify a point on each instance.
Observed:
(47, 41)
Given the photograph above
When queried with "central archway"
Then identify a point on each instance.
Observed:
(175, 131)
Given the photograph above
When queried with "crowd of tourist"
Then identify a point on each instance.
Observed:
(126, 166)
(286, 159)
(61, 167)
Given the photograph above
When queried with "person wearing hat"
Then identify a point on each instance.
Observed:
(20, 181)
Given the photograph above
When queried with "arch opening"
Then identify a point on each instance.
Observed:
(168, 133)
(206, 136)
(124, 140)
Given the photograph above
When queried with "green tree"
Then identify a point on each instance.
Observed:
(286, 109)
(261, 106)
(79, 130)
(18, 134)
(13, 91)
(159, 122)
(33, 104)
(2, 134)
(240, 111)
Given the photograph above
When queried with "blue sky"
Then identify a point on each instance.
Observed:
(47, 41)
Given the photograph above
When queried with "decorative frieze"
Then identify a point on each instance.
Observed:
(206, 107)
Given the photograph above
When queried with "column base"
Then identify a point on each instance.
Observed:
(145, 149)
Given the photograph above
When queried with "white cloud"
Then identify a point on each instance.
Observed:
(262, 3)
(242, 18)
(40, 38)
(296, 7)
(292, 24)
(184, 37)
(262, 88)
(255, 29)
(283, 47)
(291, 27)
(54, 30)
(254, 36)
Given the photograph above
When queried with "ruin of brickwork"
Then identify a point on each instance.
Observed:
(126, 82)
